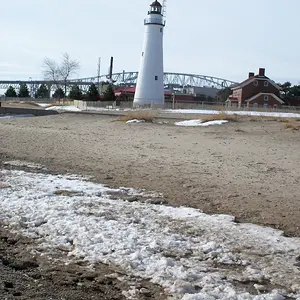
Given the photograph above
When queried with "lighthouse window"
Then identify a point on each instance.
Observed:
(156, 77)
(142, 53)
(160, 29)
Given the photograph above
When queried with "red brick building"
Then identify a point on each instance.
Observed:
(257, 90)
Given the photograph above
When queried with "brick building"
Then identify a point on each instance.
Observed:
(256, 90)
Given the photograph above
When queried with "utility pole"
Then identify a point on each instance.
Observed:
(98, 75)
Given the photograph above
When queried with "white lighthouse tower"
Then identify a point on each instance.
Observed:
(150, 82)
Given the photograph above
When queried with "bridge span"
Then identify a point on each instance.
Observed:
(126, 78)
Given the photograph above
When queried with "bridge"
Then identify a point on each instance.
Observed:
(171, 80)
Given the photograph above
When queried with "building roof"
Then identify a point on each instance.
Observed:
(232, 99)
(131, 90)
(265, 94)
(156, 3)
(253, 78)
(125, 90)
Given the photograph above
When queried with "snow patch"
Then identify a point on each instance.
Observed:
(191, 254)
(43, 104)
(20, 163)
(200, 123)
(107, 108)
(135, 121)
(66, 108)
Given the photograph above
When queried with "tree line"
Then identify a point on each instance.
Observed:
(75, 93)
(22, 93)
(290, 94)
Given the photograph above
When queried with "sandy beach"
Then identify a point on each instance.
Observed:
(246, 169)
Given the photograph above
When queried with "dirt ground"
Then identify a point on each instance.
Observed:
(248, 169)
(26, 276)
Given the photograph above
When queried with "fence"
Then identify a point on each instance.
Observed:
(99, 105)
(223, 107)
(89, 105)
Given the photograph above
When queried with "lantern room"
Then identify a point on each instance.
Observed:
(155, 8)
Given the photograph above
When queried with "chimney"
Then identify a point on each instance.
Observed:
(261, 72)
(251, 74)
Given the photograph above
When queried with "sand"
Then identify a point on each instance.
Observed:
(248, 169)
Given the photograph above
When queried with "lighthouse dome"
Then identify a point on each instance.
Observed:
(156, 3)
(155, 8)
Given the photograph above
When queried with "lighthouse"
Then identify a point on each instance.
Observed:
(150, 82)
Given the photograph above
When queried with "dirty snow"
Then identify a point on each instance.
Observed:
(200, 123)
(242, 113)
(21, 163)
(43, 104)
(135, 121)
(66, 108)
(107, 108)
(193, 255)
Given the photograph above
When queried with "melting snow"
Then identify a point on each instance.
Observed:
(43, 104)
(243, 113)
(21, 163)
(192, 255)
(102, 108)
(67, 108)
(135, 121)
(200, 123)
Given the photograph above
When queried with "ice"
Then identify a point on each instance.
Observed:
(135, 121)
(243, 113)
(43, 104)
(66, 108)
(200, 123)
(192, 255)
(107, 108)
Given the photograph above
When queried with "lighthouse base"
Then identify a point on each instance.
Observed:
(142, 103)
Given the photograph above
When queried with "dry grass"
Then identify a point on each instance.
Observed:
(221, 116)
(150, 115)
(146, 115)
(288, 120)
(257, 119)
(292, 124)
(271, 119)
(235, 118)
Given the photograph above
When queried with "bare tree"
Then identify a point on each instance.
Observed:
(51, 71)
(60, 73)
(67, 68)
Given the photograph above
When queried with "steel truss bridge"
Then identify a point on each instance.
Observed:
(171, 80)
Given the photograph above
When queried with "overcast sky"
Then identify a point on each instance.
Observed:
(221, 38)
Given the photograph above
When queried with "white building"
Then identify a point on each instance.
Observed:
(150, 82)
